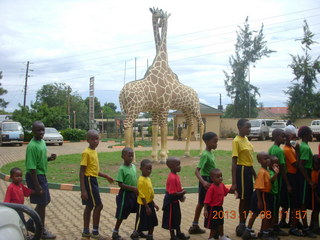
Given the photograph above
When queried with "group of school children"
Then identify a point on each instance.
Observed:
(288, 178)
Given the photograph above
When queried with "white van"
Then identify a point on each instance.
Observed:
(11, 133)
(260, 128)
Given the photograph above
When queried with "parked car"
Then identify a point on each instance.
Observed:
(260, 128)
(52, 136)
(282, 125)
(315, 127)
(11, 133)
(12, 226)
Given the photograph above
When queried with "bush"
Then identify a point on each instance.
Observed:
(72, 134)
(27, 136)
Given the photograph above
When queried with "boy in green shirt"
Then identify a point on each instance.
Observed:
(206, 164)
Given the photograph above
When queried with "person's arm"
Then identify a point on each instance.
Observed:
(34, 178)
(275, 168)
(260, 204)
(204, 183)
(84, 194)
(8, 195)
(254, 172)
(205, 210)
(233, 172)
(106, 176)
(128, 187)
(155, 206)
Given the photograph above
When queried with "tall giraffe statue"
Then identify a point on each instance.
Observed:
(184, 98)
(157, 92)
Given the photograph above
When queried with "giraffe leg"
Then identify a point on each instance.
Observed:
(154, 154)
(201, 134)
(187, 149)
(127, 136)
(163, 152)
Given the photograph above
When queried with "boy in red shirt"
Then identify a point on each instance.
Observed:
(213, 210)
(171, 218)
(16, 191)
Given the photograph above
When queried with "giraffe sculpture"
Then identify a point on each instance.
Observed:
(159, 91)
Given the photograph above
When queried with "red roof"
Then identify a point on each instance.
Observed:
(276, 110)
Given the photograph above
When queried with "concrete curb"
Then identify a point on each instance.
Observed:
(73, 187)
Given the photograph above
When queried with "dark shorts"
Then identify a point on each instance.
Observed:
(44, 198)
(202, 191)
(145, 222)
(305, 191)
(293, 199)
(171, 218)
(244, 180)
(215, 217)
(267, 202)
(126, 204)
(283, 193)
(92, 188)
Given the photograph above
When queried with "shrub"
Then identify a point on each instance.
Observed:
(27, 136)
(72, 134)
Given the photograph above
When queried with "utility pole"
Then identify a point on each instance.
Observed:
(26, 84)
(69, 117)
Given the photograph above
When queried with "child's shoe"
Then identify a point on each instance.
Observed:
(295, 232)
(85, 236)
(149, 237)
(195, 229)
(98, 237)
(308, 233)
(135, 235)
(224, 237)
(240, 229)
(116, 236)
(182, 236)
(47, 235)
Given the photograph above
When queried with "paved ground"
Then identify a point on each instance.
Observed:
(64, 213)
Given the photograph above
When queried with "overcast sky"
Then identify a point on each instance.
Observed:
(71, 40)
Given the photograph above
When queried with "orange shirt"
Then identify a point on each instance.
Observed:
(263, 182)
(290, 155)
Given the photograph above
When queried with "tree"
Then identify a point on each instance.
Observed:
(303, 100)
(250, 48)
(3, 103)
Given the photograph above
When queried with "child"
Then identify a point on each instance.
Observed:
(146, 218)
(292, 167)
(36, 167)
(89, 170)
(242, 171)
(213, 210)
(314, 224)
(127, 196)
(305, 183)
(283, 186)
(16, 191)
(206, 164)
(171, 218)
(261, 198)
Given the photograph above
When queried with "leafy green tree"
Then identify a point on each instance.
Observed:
(54, 94)
(3, 103)
(250, 48)
(304, 101)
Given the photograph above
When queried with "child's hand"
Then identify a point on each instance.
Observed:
(135, 190)
(275, 168)
(205, 213)
(183, 198)
(148, 210)
(236, 193)
(84, 195)
(206, 185)
(156, 206)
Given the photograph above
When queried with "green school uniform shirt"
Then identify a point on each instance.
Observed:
(306, 154)
(207, 163)
(127, 175)
(275, 150)
(274, 185)
(36, 156)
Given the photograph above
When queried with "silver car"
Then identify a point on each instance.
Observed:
(52, 136)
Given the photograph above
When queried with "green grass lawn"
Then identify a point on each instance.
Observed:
(65, 169)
